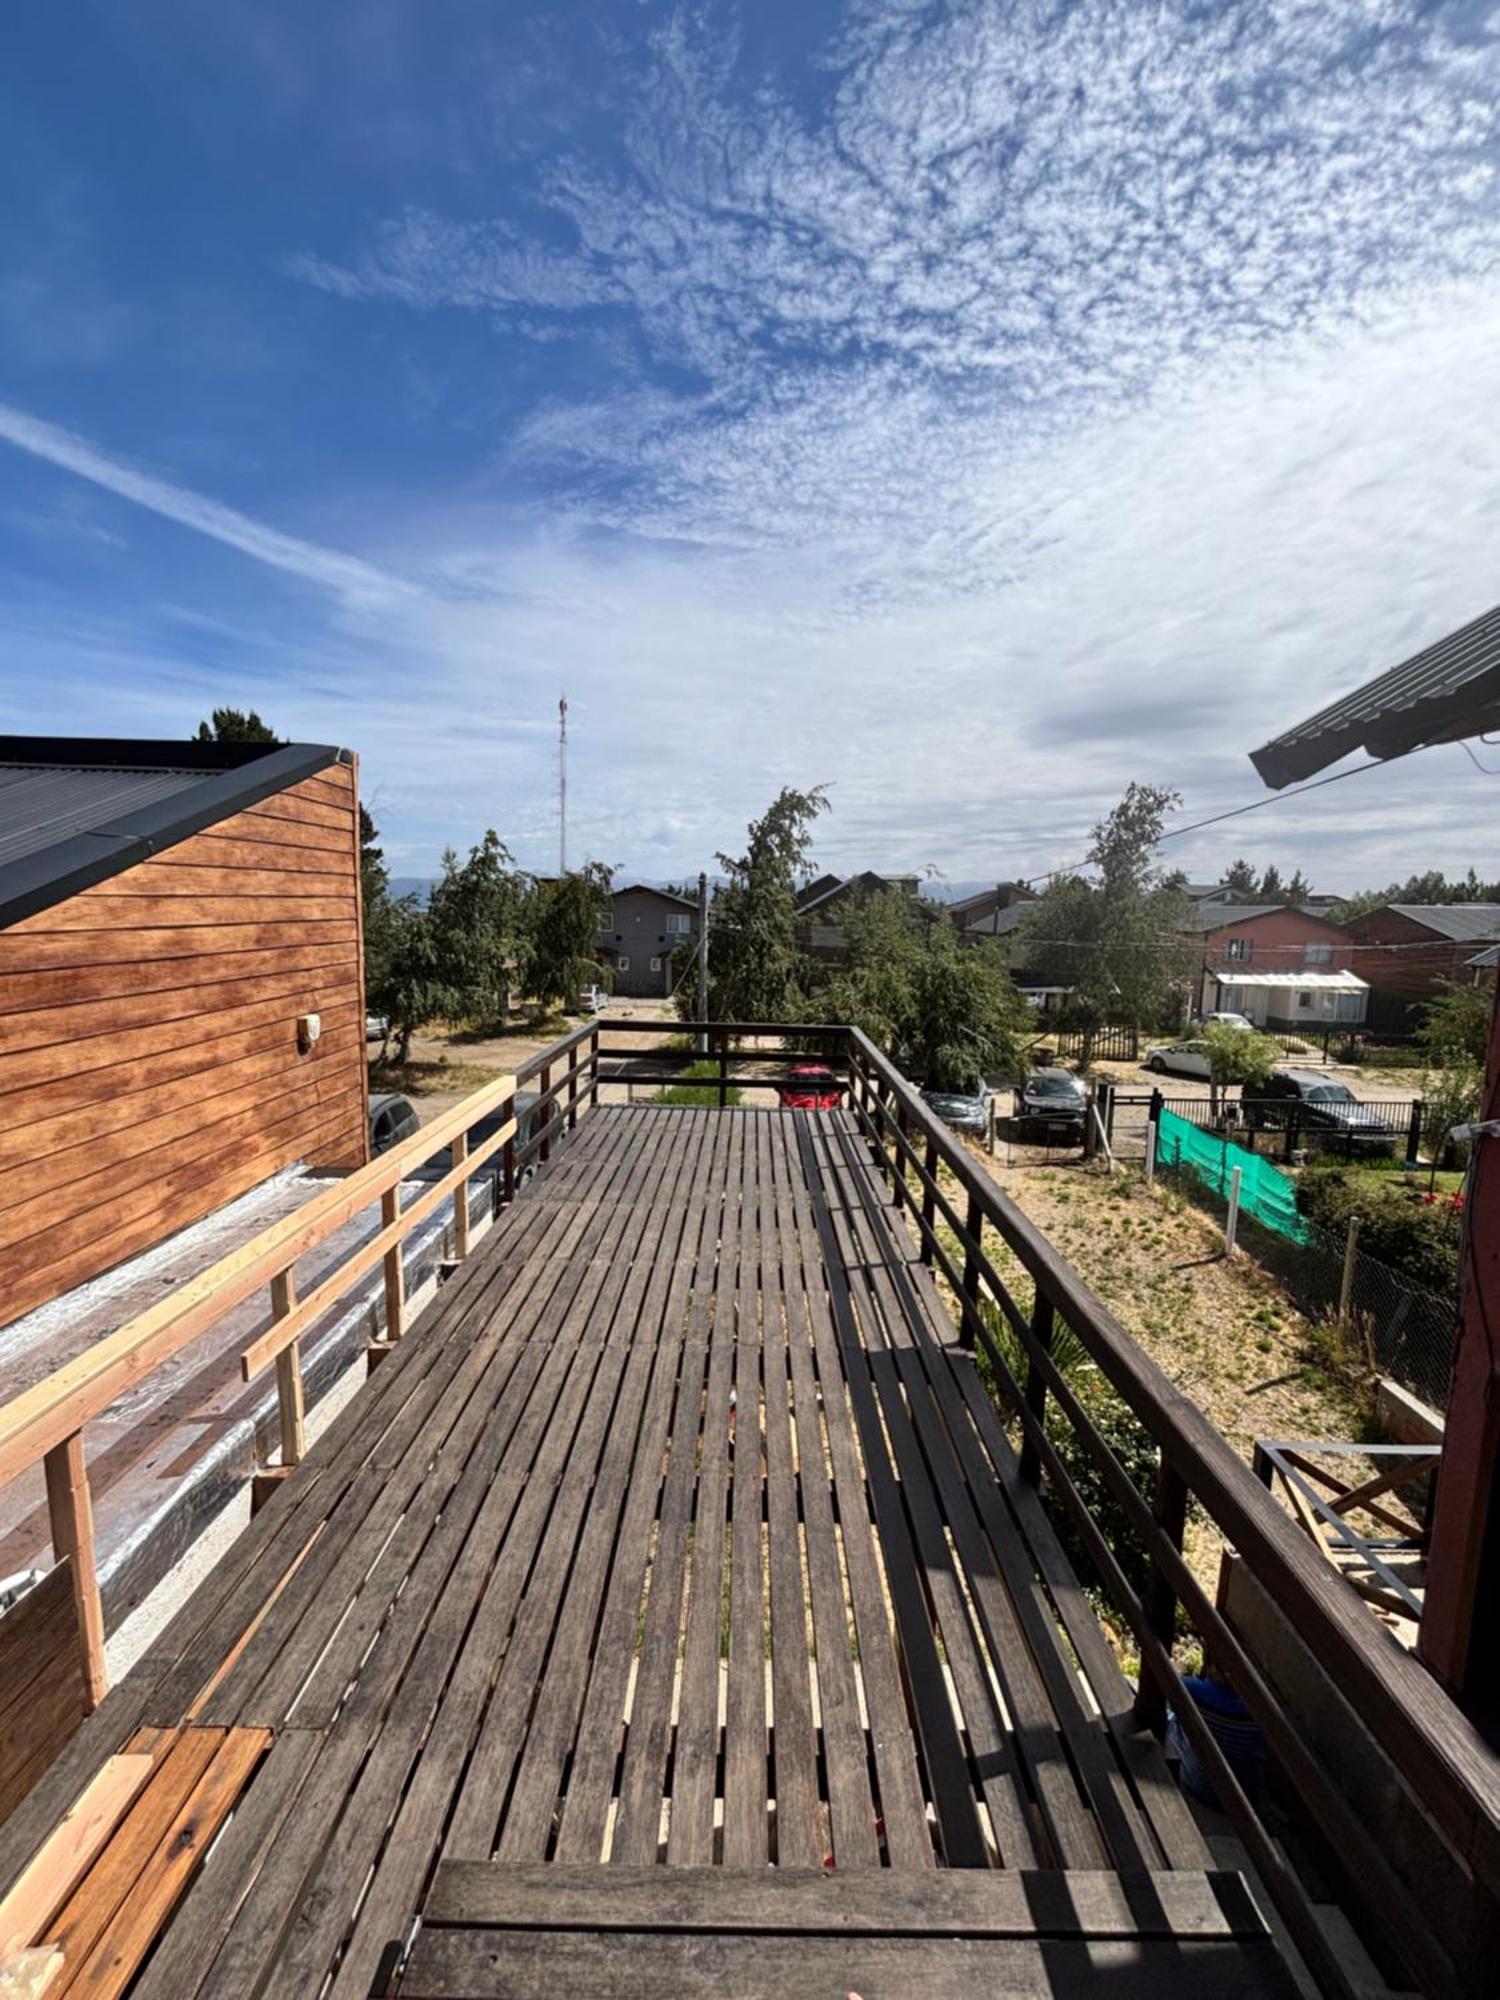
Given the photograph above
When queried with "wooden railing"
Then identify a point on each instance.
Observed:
(46, 1422)
(1451, 1772)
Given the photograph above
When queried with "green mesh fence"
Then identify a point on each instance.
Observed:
(1265, 1192)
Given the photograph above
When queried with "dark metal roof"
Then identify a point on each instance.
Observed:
(1448, 691)
(76, 810)
(1465, 923)
(1219, 916)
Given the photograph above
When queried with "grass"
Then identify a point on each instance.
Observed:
(416, 1078)
(685, 1093)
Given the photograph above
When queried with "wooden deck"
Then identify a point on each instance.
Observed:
(679, 1531)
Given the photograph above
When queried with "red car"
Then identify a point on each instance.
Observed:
(816, 1088)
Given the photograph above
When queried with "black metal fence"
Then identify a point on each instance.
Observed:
(1382, 1129)
(1110, 1044)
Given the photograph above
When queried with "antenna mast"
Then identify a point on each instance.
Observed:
(562, 786)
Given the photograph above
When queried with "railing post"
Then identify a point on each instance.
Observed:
(929, 1201)
(289, 1408)
(593, 1091)
(898, 1175)
(974, 1223)
(70, 1510)
(544, 1113)
(395, 1274)
(1160, 1603)
(461, 1200)
(1042, 1317)
(723, 1049)
(1414, 1132)
(573, 1088)
(508, 1153)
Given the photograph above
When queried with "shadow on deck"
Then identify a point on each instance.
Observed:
(678, 1531)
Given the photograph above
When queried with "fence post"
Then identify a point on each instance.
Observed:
(1293, 1126)
(593, 1093)
(1231, 1220)
(461, 1199)
(70, 1509)
(1090, 1115)
(289, 1408)
(1414, 1132)
(723, 1073)
(544, 1113)
(1042, 1316)
(929, 1201)
(1346, 1282)
(508, 1151)
(898, 1176)
(974, 1223)
(395, 1276)
(1150, 1153)
(1160, 1606)
(573, 1088)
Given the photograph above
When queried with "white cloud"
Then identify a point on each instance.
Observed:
(328, 568)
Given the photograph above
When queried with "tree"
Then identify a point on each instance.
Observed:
(480, 939)
(1236, 1055)
(1119, 941)
(1240, 877)
(1298, 889)
(753, 972)
(403, 976)
(1271, 890)
(234, 725)
(1454, 1038)
(566, 917)
(1432, 886)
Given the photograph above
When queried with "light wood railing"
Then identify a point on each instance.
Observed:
(46, 1422)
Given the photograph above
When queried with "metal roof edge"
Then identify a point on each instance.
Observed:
(83, 860)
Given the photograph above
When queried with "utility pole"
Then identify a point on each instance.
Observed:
(702, 961)
(562, 786)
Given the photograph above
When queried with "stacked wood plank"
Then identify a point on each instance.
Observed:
(678, 1539)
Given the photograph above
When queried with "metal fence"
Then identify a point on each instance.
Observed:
(1280, 1130)
(1110, 1044)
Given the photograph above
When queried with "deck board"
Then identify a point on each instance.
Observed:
(678, 1531)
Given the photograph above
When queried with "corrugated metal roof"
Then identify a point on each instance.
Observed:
(75, 811)
(1219, 916)
(41, 805)
(1465, 923)
(1321, 982)
(1445, 692)
(1483, 959)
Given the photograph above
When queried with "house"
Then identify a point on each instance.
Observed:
(645, 927)
(1283, 967)
(987, 913)
(820, 907)
(1410, 951)
(181, 990)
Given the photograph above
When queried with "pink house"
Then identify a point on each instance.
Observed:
(1280, 966)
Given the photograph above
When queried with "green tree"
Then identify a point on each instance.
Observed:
(1455, 1041)
(480, 931)
(1240, 877)
(234, 725)
(1236, 1055)
(1298, 889)
(566, 917)
(753, 970)
(1118, 940)
(1271, 888)
(403, 978)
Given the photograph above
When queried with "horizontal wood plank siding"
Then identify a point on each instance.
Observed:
(148, 1029)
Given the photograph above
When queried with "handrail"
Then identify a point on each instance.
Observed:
(1447, 1762)
(45, 1422)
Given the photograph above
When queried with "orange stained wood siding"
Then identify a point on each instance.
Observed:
(148, 1030)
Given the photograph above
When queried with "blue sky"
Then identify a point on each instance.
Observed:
(972, 408)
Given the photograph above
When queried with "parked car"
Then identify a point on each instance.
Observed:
(815, 1088)
(964, 1110)
(1051, 1097)
(1181, 1058)
(592, 1000)
(377, 1027)
(526, 1127)
(1222, 1019)
(392, 1119)
(1319, 1106)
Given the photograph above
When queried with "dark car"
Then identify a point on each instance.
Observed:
(1051, 1097)
(392, 1119)
(1318, 1105)
(810, 1087)
(964, 1110)
(486, 1128)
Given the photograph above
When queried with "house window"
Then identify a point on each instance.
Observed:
(1317, 954)
(1304, 1001)
(680, 922)
(656, 965)
(622, 963)
(1240, 950)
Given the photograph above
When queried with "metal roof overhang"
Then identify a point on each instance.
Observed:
(1321, 982)
(1448, 691)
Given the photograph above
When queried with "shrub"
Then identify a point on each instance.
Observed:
(1395, 1224)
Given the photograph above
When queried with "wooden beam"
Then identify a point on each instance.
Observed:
(461, 1197)
(289, 1404)
(71, 1511)
(49, 1878)
(395, 1273)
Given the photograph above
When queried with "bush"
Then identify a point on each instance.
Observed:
(1395, 1224)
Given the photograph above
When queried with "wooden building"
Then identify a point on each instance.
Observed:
(181, 990)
